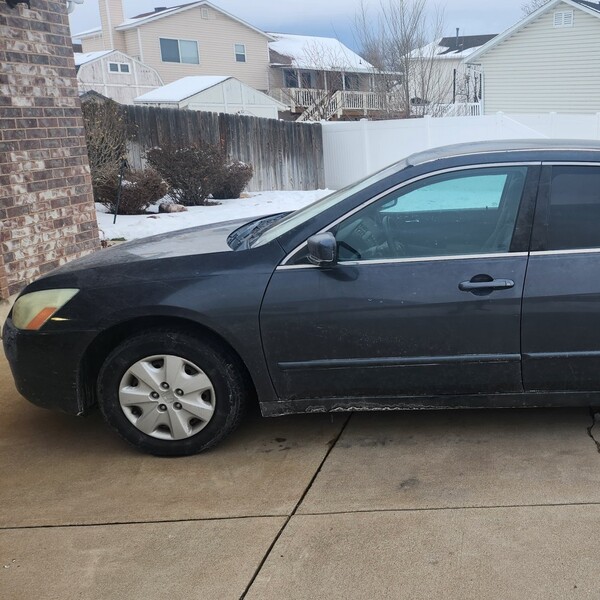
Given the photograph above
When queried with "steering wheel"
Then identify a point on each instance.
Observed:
(396, 247)
(366, 238)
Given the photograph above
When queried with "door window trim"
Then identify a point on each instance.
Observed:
(570, 251)
(385, 261)
(283, 265)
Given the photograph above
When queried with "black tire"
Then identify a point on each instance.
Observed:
(216, 361)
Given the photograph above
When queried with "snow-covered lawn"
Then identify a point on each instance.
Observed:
(257, 205)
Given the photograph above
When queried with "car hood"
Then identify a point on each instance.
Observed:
(205, 239)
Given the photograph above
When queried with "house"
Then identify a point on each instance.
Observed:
(438, 75)
(317, 77)
(308, 71)
(197, 38)
(548, 62)
(115, 75)
(214, 94)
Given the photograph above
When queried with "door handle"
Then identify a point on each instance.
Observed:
(492, 284)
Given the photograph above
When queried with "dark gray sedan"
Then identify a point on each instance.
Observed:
(462, 277)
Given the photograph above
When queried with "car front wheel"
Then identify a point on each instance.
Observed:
(171, 394)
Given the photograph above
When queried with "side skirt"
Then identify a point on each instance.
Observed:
(521, 400)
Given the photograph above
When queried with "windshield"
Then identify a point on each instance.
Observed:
(312, 210)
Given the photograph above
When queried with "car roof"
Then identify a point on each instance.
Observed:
(548, 147)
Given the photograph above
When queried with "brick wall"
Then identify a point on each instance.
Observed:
(47, 214)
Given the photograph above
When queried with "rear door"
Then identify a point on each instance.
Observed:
(425, 299)
(561, 305)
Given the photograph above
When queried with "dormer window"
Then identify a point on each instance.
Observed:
(563, 18)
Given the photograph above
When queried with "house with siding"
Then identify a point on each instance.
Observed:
(321, 78)
(548, 62)
(197, 38)
(115, 75)
(438, 74)
(316, 77)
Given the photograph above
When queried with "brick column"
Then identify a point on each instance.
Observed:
(47, 214)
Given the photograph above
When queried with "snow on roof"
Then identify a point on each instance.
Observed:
(182, 88)
(87, 32)
(591, 5)
(319, 53)
(160, 12)
(453, 47)
(85, 57)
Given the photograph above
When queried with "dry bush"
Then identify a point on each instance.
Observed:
(106, 134)
(139, 190)
(192, 173)
(235, 178)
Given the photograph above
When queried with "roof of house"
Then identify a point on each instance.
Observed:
(592, 5)
(161, 12)
(453, 47)
(85, 57)
(186, 87)
(93, 31)
(592, 8)
(317, 53)
(182, 88)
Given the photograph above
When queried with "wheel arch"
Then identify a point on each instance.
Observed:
(96, 353)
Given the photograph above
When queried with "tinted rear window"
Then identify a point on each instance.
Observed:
(574, 213)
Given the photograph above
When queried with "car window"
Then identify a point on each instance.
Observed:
(574, 210)
(304, 215)
(466, 212)
(483, 191)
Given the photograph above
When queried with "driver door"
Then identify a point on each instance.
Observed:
(425, 299)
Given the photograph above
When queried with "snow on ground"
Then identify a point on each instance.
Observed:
(257, 205)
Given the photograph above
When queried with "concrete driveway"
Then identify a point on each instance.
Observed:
(453, 505)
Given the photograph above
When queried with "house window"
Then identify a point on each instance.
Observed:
(179, 51)
(118, 67)
(351, 82)
(563, 18)
(240, 53)
(290, 78)
(307, 80)
(204, 13)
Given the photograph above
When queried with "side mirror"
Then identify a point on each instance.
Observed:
(322, 249)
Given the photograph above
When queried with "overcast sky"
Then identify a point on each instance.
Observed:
(323, 17)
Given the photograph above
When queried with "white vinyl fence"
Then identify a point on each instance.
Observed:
(355, 149)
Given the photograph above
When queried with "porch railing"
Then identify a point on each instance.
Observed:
(297, 97)
(460, 109)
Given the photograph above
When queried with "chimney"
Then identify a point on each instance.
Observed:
(111, 15)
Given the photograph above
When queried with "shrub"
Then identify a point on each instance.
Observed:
(235, 178)
(106, 135)
(140, 189)
(192, 173)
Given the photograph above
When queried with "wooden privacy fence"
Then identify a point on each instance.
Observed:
(285, 155)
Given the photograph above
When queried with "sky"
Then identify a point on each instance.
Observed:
(328, 18)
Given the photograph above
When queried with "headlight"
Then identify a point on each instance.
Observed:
(32, 310)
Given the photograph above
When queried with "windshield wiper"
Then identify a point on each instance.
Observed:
(246, 234)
